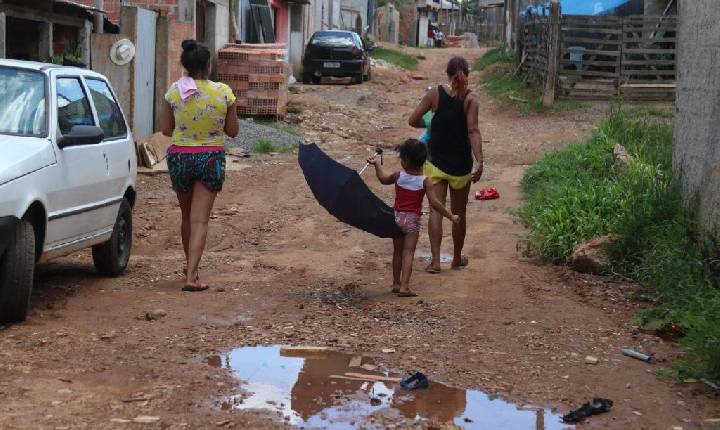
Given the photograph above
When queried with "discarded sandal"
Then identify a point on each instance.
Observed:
(432, 270)
(415, 381)
(195, 288)
(597, 406)
(407, 294)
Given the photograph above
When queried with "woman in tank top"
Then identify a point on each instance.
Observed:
(454, 140)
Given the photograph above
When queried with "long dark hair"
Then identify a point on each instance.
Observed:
(195, 58)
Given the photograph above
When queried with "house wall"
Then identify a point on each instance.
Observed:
(281, 13)
(696, 154)
(350, 10)
(387, 23)
(408, 23)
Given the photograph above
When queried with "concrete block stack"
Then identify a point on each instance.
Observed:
(258, 76)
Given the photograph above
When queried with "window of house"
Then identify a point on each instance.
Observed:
(109, 113)
(73, 106)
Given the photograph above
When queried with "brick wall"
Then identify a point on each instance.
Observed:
(408, 24)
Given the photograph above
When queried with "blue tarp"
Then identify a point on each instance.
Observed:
(593, 7)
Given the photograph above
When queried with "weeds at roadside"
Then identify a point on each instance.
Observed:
(578, 193)
(395, 57)
(293, 109)
(525, 94)
(493, 56)
(294, 89)
(264, 146)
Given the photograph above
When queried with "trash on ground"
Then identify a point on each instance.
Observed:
(638, 355)
(416, 381)
(487, 194)
(597, 406)
(591, 360)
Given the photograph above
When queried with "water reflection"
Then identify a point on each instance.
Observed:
(309, 391)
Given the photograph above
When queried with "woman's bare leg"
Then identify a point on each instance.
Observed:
(397, 262)
(435, 229)
(202, 204)
(458, 206)
(185, 200)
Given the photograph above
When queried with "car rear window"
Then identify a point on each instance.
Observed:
(333, 39)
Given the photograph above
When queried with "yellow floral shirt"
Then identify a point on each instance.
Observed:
(200, 119)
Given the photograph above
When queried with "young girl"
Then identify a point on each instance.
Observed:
(410, 189)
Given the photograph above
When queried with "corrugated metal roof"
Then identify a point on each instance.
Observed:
(79, 5)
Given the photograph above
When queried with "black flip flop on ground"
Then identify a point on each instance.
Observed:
(597, 406)
(415, 381)
(195, 288)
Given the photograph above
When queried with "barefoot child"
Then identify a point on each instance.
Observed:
(410, 189)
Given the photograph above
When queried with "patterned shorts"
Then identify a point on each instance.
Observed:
(206, 167)
(409, 222)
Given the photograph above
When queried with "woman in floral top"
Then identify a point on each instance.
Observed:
(198, 114)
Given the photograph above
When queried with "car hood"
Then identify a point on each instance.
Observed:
(23, 155)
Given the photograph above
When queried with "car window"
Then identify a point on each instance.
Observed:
(22, 105)
(331, 38)
(109, 113)
(73, 105)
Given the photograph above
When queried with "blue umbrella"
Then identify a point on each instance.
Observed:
(344, 194)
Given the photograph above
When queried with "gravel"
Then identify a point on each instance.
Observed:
(251, 132)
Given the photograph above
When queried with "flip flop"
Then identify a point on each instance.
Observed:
(432, 270)
(464, 261)
(407, 294)
(195, 288)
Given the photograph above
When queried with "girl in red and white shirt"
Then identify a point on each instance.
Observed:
(410, 190)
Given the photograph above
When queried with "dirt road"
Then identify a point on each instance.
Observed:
(283, 271)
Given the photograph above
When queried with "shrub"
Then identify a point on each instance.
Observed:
(578, 193)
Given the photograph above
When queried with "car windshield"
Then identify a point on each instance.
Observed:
(329, 38)
(22, 105)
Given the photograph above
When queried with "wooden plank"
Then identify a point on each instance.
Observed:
(600, 52)
(632, 72)
(368, 377)
(591, 30)
(584, 63)
(356, 361)
(648, 51)
(591, 40)
(590, 73)
(649, 62)
(289, 351)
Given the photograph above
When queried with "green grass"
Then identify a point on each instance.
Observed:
(294, 89)
(264, 146)
(493, 56)
(287, 128)
(294, 109)
(395, 57)
(578, 193)
(524, 94)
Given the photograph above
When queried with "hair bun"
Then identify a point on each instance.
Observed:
(189, 44)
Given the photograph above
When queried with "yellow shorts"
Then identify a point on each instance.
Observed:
(436, 175)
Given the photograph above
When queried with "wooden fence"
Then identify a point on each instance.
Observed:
(605, 57)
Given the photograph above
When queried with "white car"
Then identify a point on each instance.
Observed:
(67, 175)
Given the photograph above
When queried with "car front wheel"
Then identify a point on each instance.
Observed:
(111, 258)
(17, 270)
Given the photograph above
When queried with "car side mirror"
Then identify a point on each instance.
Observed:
(82, 135)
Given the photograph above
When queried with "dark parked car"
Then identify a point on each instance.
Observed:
(336, 53)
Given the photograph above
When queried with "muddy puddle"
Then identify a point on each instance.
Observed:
(331, 390)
